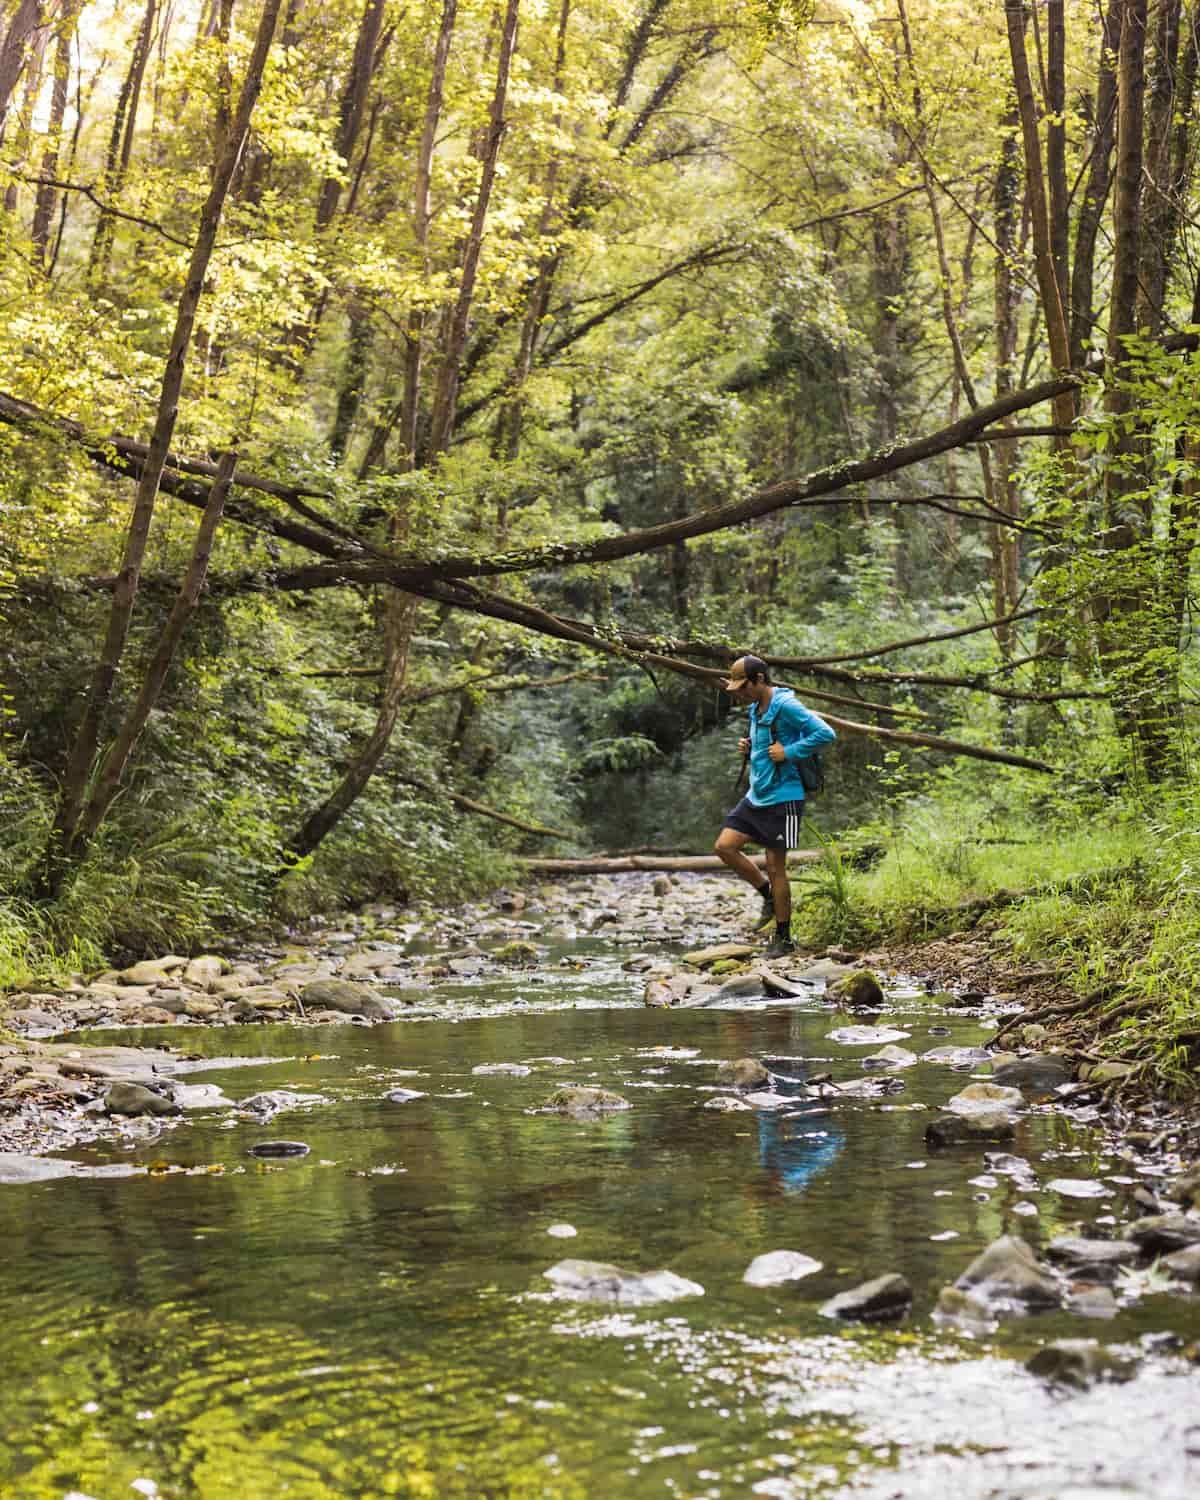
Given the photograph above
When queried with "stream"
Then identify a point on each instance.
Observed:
(373, 1318)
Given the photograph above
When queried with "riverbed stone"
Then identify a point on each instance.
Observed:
(740, 987)
(1185, 1264)
(858, 988)
(404, 1096)
(124, 1098)
(583, 1102)
(595, 1281)
(347, 997)
(1098, 1260)
(776, 1267)
(964, 1312)
(271, 1102)
(270, 1149)
(865, 1036)
(727, 1104)
(1080, 1364)
(882, 1299)
(957, 1057)
(501, 1069)
(970, 1129)
(1164, 1233)
(150, 971)
(1041, 1073)
(890, 1057)
(1185, 1188)
(743, 1073)
(979, 1098)
(657, 995)
(1008, 1276)
(704, 958)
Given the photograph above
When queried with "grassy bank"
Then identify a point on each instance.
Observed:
(1105, 891)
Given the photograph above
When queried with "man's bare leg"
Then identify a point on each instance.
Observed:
(781, 887)
(729, 849)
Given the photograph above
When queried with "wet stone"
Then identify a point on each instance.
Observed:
(267, 1105)
(979, 1098)
(957, 1057)
(880, 1300)
(404, 1096)
(1079, 1363)
(866, 1036)
(347, 997)
(727, 1104)
(1040, 1074)
(776, 1267)
(135, 1099)
(970, 1129)
(890, 1057)
(594, 1281)
(1008, 1276)
(859, 988)
(582, 1102)
(1184, 1264)
(743, 1073)
(504, 1069)
(1164, 1232)
(1078, 1252)
(268, 1149)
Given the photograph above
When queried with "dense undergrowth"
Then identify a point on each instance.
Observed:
(1104, 891)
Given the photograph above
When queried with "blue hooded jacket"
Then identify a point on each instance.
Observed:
(799, 732)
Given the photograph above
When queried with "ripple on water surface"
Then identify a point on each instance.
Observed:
(373, 1318)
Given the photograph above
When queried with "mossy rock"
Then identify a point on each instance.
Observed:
(859, 988)
(727, 966)
(517, 953)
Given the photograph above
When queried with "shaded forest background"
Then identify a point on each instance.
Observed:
(407, 407)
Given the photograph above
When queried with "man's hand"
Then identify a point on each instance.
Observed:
(777, 753)
(744, 745)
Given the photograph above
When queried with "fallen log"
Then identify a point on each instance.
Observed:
(688, 863)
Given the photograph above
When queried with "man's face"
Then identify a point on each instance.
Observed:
(737, 684)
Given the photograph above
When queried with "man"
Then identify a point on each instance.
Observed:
(782, 732)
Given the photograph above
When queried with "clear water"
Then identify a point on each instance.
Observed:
(373, 1319)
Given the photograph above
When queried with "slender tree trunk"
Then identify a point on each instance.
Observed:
(120, 141)
(14, 52)
(1056, 147)
(1095, 193)
(112, 769)
(1161, 206)
(79, 767)
(1053, 302)
(446, 392)
(1006, 539)
(47, 197)
(18, 151)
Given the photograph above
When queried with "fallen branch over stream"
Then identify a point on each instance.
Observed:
(689, 863)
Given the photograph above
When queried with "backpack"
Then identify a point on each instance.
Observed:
(810, 770)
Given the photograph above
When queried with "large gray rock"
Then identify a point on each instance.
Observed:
(957, 1057)
(1164, 1232)
(594, 1281)
(876, 1301)
(1007, 1276)
(351, 999)
(1080, 1363)
(743, 1073)
(1185, 1189)
(584, 1103)
(741, 987)
(891, 1058)
(776, 1267)
(970, 1129)
(1039, 1074)
(136, 1099)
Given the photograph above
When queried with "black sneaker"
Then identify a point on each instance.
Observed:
(780, 948)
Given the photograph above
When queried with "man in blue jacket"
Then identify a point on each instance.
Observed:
(782, 732)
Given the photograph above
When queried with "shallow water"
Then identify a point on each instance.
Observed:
(373, 1319)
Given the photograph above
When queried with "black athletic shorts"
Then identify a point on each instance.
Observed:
(776, 826)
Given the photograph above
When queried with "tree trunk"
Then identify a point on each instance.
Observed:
(1095, 193)
(125, 591)
(1005, 539)
(14, 50)
(446, 392)
(1056, 146)
(108, 778)
(120, 140)
(44, 203)
(1161, 206)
